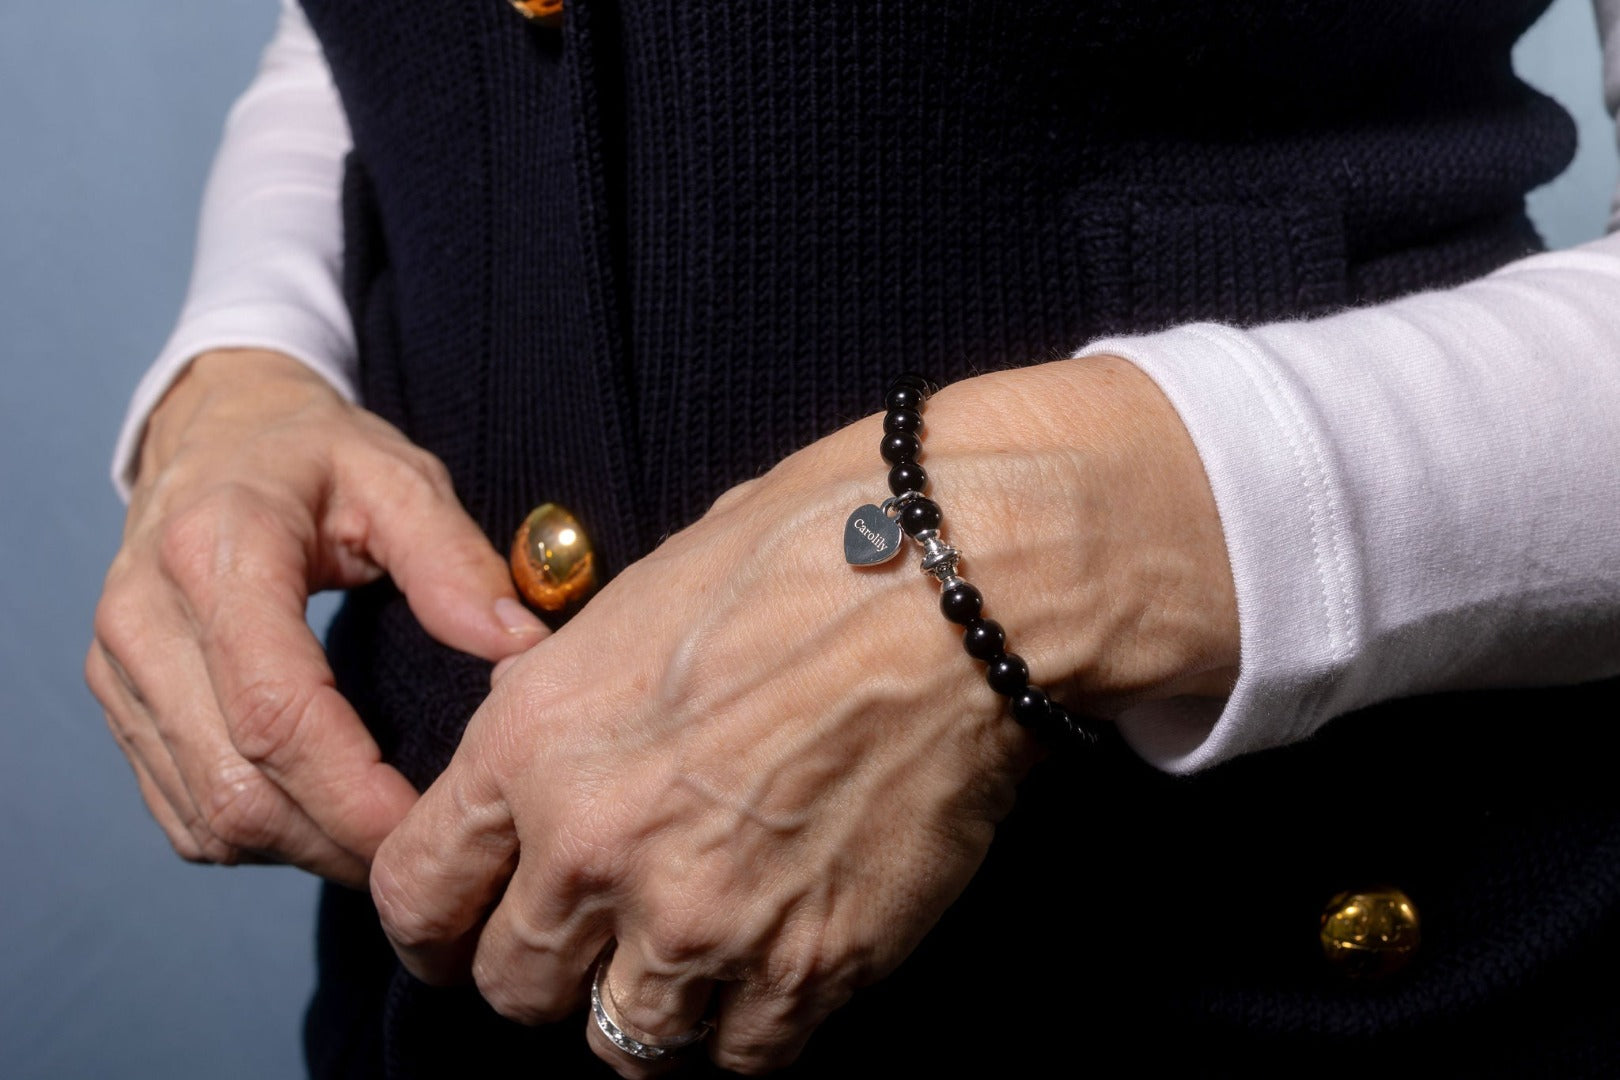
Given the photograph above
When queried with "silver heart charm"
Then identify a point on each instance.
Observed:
(870, 537)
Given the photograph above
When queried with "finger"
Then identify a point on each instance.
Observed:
(652, 1001)
(159, 780)
(185, 845)
(272, 686)
(441, 870)
(190, 840)
(533, 960)
(228, 802)
(762, 1027)
(179, 835)
(240, 803)
(457, 584)
(157, 801)
(627, 1065)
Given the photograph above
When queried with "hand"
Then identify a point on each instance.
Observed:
(259, 485)
(766, 774)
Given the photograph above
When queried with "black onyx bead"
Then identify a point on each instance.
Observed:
(1007, 674)
(907, 476)
(1033, 709)
(913, 380)
(902, 396)
(983, 639)
(900, 446)
(961, 603)
(919, 514)
(897, 420)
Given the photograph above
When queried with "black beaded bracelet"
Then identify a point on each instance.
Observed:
(872, 536)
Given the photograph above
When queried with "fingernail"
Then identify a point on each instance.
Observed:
(516, 618)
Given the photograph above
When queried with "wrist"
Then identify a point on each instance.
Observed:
(1083, 513)
(224, 386)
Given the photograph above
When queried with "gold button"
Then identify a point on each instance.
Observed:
(1370, 934)
(544, 12)
(552, 561)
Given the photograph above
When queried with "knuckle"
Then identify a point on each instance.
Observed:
(809, 965)
(238, 811)
(585, 856)
(532, 1001)
(677, 937)
(793, 978)
(265, 715)
(91, 669)
(434, 471)
(120, 615)
(414, 471)
(733, 495)
(530, 939)
(407, 923)
(514, 1001)
(188, 539)
(221, 533)
(100, 678)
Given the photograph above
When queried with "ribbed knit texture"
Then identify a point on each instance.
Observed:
(630, 264)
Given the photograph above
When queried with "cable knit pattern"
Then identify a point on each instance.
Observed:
(626, 265)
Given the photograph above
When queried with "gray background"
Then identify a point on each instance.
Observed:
(119, 960)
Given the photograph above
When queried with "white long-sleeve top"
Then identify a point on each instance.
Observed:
(1419, 495)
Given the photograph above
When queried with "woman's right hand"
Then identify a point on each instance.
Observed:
(258, 485)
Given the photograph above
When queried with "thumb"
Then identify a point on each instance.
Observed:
(455, 581)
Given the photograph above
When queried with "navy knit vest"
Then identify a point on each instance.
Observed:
(629, 264)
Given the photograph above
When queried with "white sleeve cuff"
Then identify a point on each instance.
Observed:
(1294, 559)
(1417, 496)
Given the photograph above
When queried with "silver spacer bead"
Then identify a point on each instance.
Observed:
(939, 556)
(949, 581)
(926, 535)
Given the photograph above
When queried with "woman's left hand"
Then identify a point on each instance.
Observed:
(765, 773)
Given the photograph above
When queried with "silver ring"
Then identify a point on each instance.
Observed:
(638, 1044)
